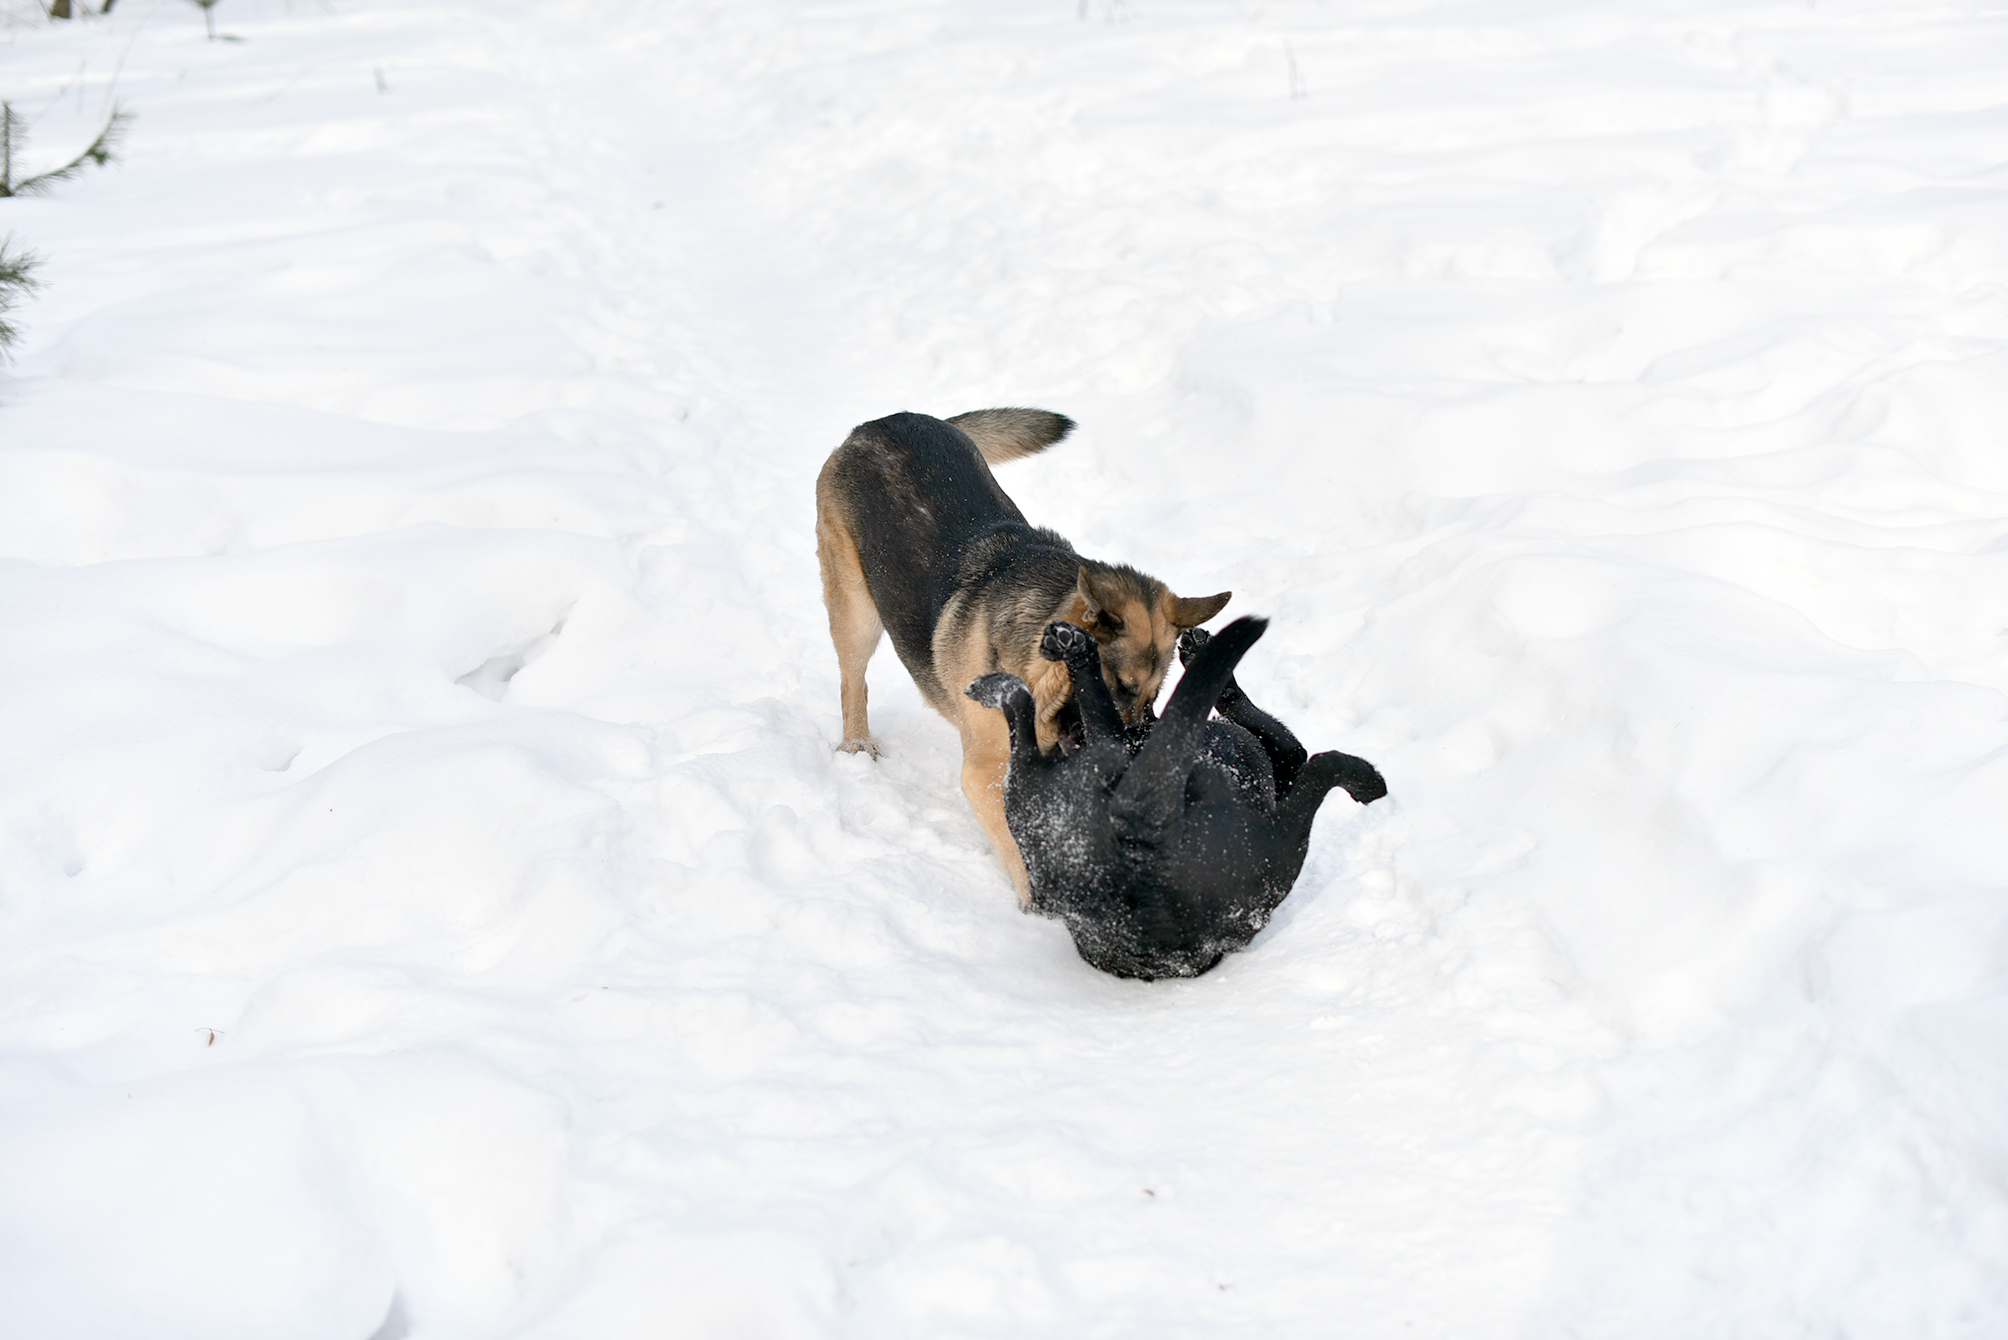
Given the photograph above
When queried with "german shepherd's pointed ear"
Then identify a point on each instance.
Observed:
(1192, 611)
(1102, 596)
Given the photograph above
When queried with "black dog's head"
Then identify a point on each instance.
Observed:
(1167, 845)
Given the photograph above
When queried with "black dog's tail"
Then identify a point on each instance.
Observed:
(1006, 434)
(1152, 793)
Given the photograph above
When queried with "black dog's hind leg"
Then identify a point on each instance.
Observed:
(1076, 646)
(1289, 840)
(1286, 754)
(1151, 795)
(1355, 776)
(1322, 772)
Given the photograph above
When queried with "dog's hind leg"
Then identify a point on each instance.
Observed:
(1286, 753)
(854, 618)
(1355, 776)
(1323, 772)
(1151, 795)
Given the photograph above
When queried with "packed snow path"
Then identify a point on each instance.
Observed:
(430, 906)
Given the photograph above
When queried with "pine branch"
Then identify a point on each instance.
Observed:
(10, 136)
(17, 281)
(100, 151)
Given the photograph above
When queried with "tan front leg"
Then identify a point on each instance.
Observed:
(854, 622)
(986, 755)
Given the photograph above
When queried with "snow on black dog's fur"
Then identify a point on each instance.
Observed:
(1166, 845)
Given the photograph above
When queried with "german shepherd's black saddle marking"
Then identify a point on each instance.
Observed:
(1167, 845)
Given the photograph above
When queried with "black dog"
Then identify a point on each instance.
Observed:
(1167, 846)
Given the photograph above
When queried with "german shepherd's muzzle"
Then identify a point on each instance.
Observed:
(1166, 845)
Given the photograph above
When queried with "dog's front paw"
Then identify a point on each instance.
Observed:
(994, 688)
(1063, 640)
(1189, 643)
(867, 746)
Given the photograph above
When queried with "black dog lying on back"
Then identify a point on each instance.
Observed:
(1167, 846)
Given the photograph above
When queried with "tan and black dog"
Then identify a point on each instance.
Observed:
(916, 539)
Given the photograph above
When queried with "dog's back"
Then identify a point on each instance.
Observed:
(917, 496)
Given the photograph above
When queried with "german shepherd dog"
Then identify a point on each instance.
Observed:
(916, 539)
(1167, 844)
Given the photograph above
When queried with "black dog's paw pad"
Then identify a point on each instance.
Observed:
(992, 689)
(1063, 640)
(1189, 643)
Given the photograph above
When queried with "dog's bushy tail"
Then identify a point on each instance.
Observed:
(1006, 434)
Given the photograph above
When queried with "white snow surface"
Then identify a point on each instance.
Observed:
(430, 906)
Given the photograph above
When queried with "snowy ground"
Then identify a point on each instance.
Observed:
(429, 903)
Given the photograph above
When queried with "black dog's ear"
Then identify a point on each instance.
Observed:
(1192, 611)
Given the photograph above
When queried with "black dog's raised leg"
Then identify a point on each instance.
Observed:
(1358, 778)
(1151, 794)
(1007, 692)
(1286, 754)
(1321, 773)
(1076, 646)
(1355, 776)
